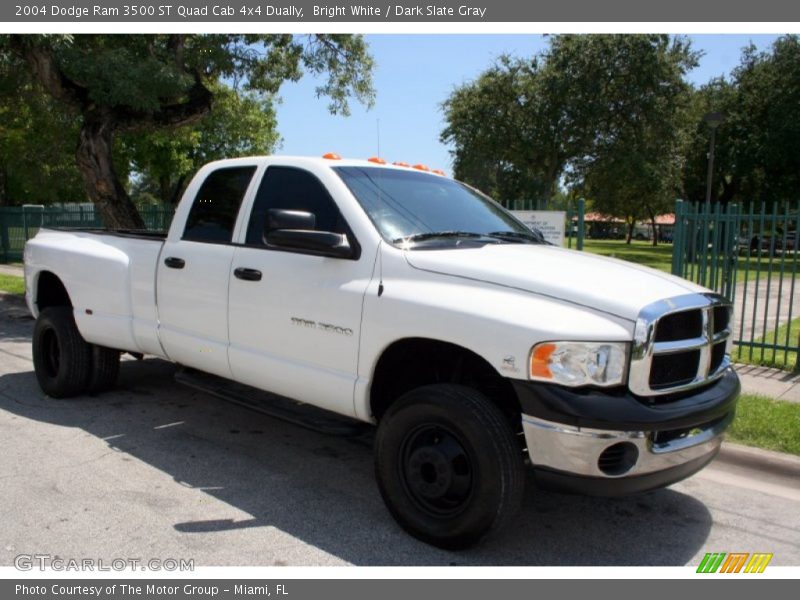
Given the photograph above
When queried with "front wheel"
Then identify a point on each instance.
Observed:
(448, 465)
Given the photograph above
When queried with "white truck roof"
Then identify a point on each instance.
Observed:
(329, 160)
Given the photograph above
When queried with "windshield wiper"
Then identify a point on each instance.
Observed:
(429, 235)
(533, 236)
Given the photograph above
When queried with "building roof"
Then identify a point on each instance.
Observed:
(596, 217)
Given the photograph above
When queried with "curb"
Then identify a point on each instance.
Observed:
(776, 463)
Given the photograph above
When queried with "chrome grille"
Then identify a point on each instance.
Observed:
(680, 343)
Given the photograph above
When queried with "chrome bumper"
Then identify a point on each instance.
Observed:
(585, 452)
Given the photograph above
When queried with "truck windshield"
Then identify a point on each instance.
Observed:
(417, 209)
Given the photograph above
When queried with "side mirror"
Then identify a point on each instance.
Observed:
(278, 218)
(320, 242)
(294, 230)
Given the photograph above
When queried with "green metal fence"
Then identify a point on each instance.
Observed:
(574, 227)
(749, 256)
(20, 223)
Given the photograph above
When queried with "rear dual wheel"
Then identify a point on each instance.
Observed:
(448, 465)
(65, 364)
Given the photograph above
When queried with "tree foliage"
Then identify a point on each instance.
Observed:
(613, 118)
(578, 111)
(633, 167)
(240, 124)
(512, 129)
(757, 154)
(37, 142)
(132, 84)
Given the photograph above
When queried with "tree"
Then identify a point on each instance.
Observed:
(757, 155)
(634, 167)
(130, 83)
(717, 96)
(534, 122)
(513, 129)
(240, 124)
(638, 176)
(483, 118)
(37, 141)
(769, 94)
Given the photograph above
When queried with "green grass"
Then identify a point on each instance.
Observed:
(767, 423)
(768, 357)
(660, 257)
(12, 284)
(639, 252)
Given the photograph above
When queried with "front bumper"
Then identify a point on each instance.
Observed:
(602, 443)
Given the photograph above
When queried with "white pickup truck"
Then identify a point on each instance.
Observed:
(408, 300)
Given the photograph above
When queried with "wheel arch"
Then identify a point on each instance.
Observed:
(412, 362)
(49, 290)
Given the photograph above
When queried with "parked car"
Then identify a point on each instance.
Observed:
(406, 300)
(769, 243)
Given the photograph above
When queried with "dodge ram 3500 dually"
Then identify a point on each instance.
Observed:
(408, 300)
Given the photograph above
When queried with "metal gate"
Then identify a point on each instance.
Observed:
(750, 257)
(20, 223)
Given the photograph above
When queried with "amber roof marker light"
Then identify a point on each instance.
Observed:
(377, 160)
(421, 168)
(331, 156)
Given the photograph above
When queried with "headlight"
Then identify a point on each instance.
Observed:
(580, 363)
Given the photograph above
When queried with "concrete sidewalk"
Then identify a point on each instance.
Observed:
(12, 270)
(775, 383)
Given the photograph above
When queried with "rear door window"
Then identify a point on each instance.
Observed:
(213, 214)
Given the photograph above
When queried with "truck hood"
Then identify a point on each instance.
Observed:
(596, 282)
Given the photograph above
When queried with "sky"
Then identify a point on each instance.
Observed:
(414, 74)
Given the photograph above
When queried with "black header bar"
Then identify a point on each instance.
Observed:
(441, 11)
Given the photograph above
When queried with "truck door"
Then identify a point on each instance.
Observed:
(295, 315)
(194, 270)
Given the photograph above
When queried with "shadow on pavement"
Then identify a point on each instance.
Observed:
(320, 489)
(13, 314)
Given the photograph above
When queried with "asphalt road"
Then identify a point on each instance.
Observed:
(157, 470)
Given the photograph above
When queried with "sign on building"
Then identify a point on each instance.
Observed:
(549, 222)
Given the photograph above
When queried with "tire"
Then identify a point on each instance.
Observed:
(105, 369)
(62, 359)
(448, 465)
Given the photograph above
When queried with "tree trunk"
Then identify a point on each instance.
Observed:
(631, 225)
(95, 162)
(178, 190)
(164, 189)
(653, 229)
(3, 186)
(552, 173)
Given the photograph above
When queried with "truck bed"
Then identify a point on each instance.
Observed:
(110, 276)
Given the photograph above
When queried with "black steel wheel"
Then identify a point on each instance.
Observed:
(448, 465)
(437, 470)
